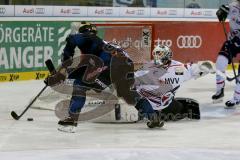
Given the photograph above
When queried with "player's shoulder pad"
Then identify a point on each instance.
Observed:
(73, 38)
(69, 37)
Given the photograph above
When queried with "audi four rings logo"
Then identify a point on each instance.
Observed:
(191, 41)
(2, 10)
(40, 10)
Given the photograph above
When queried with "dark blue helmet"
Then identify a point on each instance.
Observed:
(87, 27)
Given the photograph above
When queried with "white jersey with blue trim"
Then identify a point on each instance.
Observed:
(153, 81)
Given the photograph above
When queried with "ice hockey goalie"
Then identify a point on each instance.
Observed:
(157, 83)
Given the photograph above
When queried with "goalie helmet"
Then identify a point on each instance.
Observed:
(162, 55)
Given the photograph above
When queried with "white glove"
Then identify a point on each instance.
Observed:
(202, 68)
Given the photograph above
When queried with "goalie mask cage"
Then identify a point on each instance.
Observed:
(136, 40)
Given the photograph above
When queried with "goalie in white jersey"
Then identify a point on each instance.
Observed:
(230, 49)
(157, 83)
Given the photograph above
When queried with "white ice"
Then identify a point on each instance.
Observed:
(215, 136)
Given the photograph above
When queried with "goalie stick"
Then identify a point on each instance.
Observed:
(52, 70)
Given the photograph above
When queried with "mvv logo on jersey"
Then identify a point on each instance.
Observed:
(172, 80)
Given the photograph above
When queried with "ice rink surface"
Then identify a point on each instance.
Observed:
(215, 136)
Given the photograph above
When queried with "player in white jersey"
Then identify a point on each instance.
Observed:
(157, 83)
(230, 49)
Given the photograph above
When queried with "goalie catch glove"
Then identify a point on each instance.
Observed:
(202, 68)
(222, 13)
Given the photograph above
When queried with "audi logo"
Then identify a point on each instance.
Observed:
(40, 10)
(2, 10)
(140, 12)
(108, 11)
(75, 11)
(172, 12)
(191, 41)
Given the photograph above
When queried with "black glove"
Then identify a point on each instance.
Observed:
(46, 81)
(236, 41)
(222, 13)
(56, 79)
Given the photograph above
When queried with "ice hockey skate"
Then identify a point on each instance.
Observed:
(155, 124)
(231, 104)
(218, 97)
(67, 125)
(155, 121)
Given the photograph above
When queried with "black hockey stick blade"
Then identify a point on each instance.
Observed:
(52, 70)
(231, 79)
(14, 115)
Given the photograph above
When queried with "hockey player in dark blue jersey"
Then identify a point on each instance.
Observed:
(98, 58)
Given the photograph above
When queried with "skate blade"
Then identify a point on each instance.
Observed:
(161, 124)
(227, 107)
(232, 107)
(67, 129)
(218, 101)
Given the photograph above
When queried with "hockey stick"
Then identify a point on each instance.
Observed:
(51, 68)
(227, 78)
(231, 79)
(231, 57)
(17, 117)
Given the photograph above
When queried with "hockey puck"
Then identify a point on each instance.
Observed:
(30, 119)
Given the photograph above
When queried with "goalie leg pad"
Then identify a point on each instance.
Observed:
(173, 112)
(181, 108)
(191, 107)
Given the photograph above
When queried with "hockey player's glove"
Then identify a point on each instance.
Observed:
(222, 13)
(235, 40)
(57, 78)
(202, 68)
